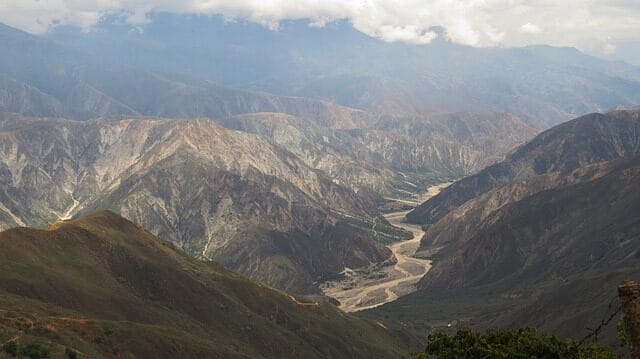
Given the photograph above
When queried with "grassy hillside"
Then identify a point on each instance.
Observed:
(103, 287)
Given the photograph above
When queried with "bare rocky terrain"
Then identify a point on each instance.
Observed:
(194, 183)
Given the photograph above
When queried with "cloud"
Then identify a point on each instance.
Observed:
(530, 28)
(593, 24)
(609, 49)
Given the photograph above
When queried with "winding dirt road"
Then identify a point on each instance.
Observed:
(361, 290)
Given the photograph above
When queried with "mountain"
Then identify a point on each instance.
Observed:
(550, 260)
(552, 232)
(102, 287)
(217, 193)
(586, 140)
(283, 189)
(460, 142)
(545, 248)
(394, 156)
(462, 223)
(580, 239)
(541, 84)
(44, 79)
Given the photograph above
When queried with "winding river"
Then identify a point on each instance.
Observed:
(360, 290)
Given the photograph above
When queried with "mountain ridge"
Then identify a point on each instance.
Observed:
(196, 184)
(564, 147)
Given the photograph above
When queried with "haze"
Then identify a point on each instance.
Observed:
(606, 28)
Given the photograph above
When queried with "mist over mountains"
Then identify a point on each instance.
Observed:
(543, 85)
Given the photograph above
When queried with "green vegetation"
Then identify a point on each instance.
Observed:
(518, 343)
(114, 290)
(623, 335)
(34, 351)
(70, 353)
(10, 348)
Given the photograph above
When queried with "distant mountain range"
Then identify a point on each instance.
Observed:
(541, 84)
(44, 79)
(283, 189)
(276, 211)
(102, 287)
(543, 237)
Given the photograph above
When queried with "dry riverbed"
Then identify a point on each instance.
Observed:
(366, 289)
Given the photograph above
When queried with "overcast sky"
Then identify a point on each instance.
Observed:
(609, 28)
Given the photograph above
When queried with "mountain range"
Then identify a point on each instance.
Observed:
(586, 140)
(283, 189)
(272, 155)
(545, 242)
(543, 85)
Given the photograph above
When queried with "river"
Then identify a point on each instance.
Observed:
(360, 290)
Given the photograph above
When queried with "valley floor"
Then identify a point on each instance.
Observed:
(366, 289)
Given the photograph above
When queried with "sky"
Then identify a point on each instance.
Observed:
(605, 28)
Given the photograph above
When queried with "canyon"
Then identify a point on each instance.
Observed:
(372, 287)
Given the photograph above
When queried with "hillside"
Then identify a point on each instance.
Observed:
(215, 193)
(394, 156)
(586, 140)
(552, 233)
(549, 258)
(106, 288)
(462, 223)
(540, 239)
(271, 195)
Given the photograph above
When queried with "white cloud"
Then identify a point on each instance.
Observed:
(581, 23)
(530, 28)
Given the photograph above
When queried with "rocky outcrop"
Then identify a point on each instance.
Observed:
(629, 292)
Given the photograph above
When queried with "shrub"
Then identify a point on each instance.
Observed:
(518, 343)
(70, 353)
(10, 348)
(35, 351)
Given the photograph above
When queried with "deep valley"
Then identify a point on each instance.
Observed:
(245, 180)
